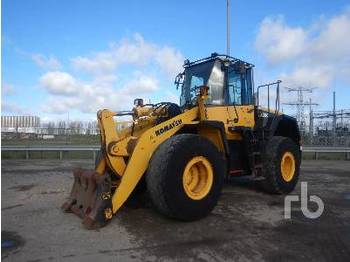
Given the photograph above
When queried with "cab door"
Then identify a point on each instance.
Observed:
(236, 107)
(239, 98)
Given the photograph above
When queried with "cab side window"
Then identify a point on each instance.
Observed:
(240, 87)
(235, 88)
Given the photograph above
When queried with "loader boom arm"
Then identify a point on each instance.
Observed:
(131, 172)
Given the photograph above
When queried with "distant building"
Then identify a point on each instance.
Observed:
(20, 124)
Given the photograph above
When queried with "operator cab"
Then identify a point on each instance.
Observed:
(230, 81)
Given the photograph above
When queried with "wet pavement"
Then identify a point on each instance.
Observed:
(247, 224)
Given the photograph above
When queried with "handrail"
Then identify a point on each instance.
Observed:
(277, 100)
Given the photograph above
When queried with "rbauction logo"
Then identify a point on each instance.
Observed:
(304, 204)
(168, 127)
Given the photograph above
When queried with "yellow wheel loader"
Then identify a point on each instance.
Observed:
(182, 153)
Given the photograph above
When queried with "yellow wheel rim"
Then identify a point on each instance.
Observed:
(288, 166)
(197, 178)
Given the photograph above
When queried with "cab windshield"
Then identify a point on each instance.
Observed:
(209, 74)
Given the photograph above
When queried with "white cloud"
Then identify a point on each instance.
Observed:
(88, 97)
(7, 89)
(60, 83)
(108, 84)
(100, 64)
(307, 76)
(136, 52)
(11, 107)
(316, 54)
(278, 42)
(170, 60)
(43, 61)
(60, 106)
(49, 63)
(142, 84)
(333, 43)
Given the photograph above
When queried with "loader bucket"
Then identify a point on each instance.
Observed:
(90, 198)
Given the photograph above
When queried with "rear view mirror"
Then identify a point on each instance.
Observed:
(179, 80)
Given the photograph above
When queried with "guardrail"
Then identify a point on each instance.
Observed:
(95, 149)
(321, 149)
(60, 149)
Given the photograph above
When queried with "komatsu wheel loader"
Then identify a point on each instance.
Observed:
(182, 153)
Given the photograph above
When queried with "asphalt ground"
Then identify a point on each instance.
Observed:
(247, 224)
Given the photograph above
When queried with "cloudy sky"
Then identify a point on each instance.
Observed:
(77, 56)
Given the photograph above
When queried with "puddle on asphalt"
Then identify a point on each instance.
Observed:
(10, 240)
(347, 196)
(51, 192)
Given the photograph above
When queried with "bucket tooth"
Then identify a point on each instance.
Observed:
(90, 198)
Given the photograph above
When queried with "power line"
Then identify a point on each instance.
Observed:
(334, 115)
(300, 105)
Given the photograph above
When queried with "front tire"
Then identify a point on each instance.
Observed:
(281, 165)
(185, 177)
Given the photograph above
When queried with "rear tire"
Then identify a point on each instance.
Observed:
(281, 165)
(166, 177)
